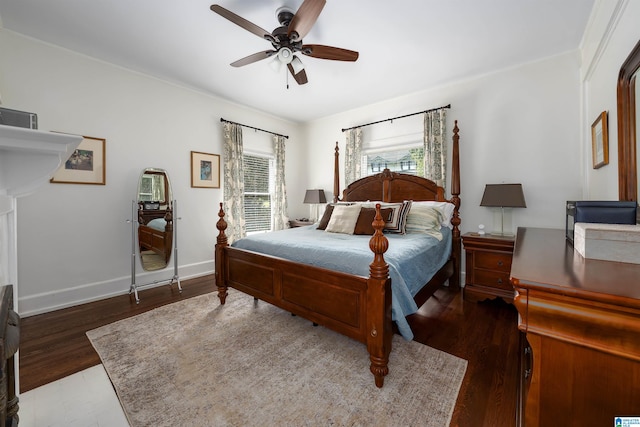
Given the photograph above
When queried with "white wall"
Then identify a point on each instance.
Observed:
(612, 33)
(73, 241)
(516, 125)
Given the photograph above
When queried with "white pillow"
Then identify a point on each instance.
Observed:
(343, 219)
(445, 208)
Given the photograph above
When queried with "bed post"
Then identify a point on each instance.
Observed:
(221, 244)
(379, 324)
(336, 175)
(454, 281)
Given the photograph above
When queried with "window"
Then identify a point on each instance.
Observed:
(258, 179)
(406, 160)
(152, 188)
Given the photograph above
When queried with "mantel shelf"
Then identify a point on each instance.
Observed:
(28, 158)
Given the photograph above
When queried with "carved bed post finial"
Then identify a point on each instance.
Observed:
(221, 243)
(336, 175)
(379, 295)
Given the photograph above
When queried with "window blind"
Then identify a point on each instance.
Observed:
(257, 194)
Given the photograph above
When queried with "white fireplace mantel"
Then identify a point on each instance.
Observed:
(28, 158)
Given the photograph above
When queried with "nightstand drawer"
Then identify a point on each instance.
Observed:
(493, 261)
(494, 279)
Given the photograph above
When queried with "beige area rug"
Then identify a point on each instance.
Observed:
(197, 363)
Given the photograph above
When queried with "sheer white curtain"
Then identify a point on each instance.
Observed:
(279, 209)
(353, 156)
(233, 196)
(435, 147)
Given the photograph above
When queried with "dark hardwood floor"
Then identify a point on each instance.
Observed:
(54, 345)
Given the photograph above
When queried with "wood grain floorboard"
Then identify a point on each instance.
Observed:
(54, 345)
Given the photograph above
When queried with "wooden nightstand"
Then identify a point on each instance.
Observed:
(293, 223)
(488, 260)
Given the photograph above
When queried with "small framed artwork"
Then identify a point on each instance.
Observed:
(600, 141)
(87, 164)
(205, 170)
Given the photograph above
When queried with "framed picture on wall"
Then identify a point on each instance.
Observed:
(600, 141)
(87, 164)
(205, 170)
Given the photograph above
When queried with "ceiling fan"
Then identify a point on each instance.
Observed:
(286, 40)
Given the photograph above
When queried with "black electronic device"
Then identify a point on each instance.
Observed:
(17, 118)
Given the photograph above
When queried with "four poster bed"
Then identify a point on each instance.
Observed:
(354, 300)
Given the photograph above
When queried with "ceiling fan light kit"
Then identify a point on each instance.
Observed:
(286, 40)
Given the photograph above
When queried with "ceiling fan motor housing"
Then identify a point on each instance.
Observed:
(284, 15)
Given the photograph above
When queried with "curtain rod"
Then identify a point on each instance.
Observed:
(254, 128)
(399, 117)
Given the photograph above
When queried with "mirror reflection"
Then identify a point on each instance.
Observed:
(155, 219)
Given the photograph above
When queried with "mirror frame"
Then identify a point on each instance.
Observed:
(627, 127)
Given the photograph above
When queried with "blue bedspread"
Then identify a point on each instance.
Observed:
(413, 259)
(157, 224)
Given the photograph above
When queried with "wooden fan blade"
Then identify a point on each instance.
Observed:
(305, 17)
(329, 52)
(240, 21)
(301, 77)
(253, 58)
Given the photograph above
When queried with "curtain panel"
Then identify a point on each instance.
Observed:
(353, 156)
(233, 195)
(435, 147)
(279, 207)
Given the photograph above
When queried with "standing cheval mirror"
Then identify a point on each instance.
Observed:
(154, 228)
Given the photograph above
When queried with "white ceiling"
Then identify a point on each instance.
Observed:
(415, 45)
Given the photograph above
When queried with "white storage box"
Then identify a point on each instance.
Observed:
(608, 242)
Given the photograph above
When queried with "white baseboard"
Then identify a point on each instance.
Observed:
(63, 298)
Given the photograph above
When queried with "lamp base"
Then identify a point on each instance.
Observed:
(502, 222)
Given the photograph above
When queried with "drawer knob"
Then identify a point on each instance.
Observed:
(500, 281)
(500, 263)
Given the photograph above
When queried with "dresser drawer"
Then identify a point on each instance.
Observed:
(493, 261)
(495, 279)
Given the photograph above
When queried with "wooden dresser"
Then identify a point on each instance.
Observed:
(581, 320)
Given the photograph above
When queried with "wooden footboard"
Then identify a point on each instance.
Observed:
(160, 242)
(356, 306)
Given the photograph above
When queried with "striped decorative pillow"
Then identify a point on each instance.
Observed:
(397, 221)
(424, 219)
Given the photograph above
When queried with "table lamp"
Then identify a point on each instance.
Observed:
(503, 196)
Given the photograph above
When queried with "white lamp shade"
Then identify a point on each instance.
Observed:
(297, 65)
(275, 64)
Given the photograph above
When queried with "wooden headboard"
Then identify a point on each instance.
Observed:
(390, 186)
